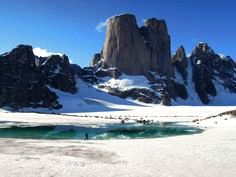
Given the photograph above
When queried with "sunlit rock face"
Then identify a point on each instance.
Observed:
(124, 47)
(142, 50)
(134, 50)
(145, 50)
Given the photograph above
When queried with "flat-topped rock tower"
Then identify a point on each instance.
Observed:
(134, 50)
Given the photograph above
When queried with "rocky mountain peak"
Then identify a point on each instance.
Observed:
(202, 60)
(25, 82)
(130, 19)
(158, 26)
(21, 54)
(134, 50)
(135, 62)
(180, 54)
(179, 61)
(96, 59)
(203, 49)
(124, 48)
(58, 73)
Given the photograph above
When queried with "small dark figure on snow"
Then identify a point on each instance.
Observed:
(86, 137)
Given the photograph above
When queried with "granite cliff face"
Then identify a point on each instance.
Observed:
(135, 50)
(24, 83)
(157, 40)
(140, 51)
(145, 50)
(124, 47)
(135, 62)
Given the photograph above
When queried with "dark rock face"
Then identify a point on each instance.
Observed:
(20, 81)
(93, 74)
(202, 61)
(88, 75)
(40, 60)
(179, 61)
(225, 70)
(134, 50)
(139, 94)
(24, 79)
(181, 91)
(96, 59)
(111, 72)
(57, 71)
(75, 69)
(167, 88)
(157, 41)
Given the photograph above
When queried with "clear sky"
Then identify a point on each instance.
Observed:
(69, 26)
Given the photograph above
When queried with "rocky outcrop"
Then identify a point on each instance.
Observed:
(179, 61)
(25, 79)
(168, 88)
(75, 69)
(93, 74)
(146, 51)
(224, 69)
(202, 61)
(134, 50)
(137, 51)
(139, 94)
(96, 59)
(111, 72)
(20, 81)
(57, 72)
(157, 41)
(124, 47)
(40, 60)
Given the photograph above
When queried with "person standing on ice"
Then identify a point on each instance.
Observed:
(86, 137)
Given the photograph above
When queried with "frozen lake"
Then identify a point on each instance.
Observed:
(95, 132)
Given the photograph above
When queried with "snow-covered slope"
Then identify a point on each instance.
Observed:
(91, 99)
(87, 99)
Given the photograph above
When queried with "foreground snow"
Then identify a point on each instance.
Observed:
(210, 154)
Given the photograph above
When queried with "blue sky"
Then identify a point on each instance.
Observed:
(69, 26)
